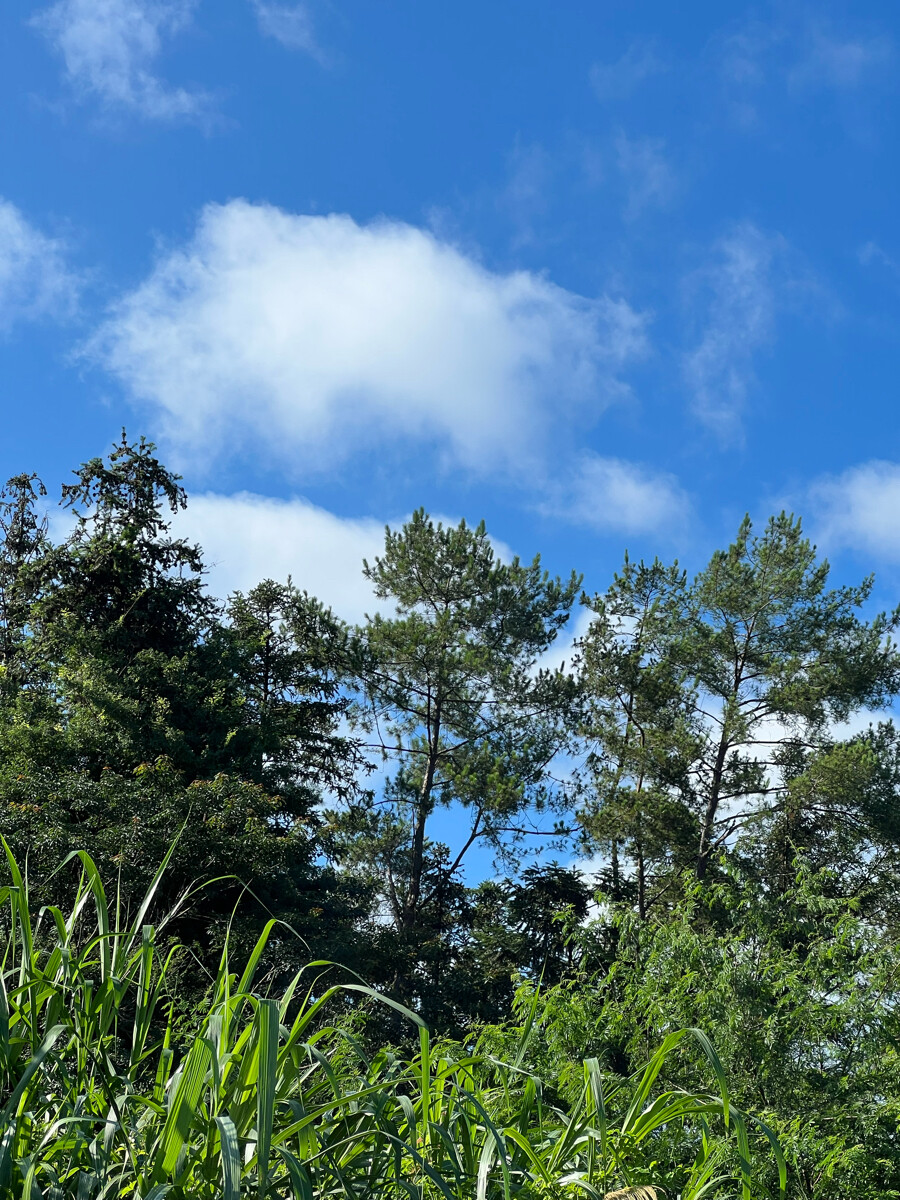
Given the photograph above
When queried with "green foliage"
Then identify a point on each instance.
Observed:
(124, 626)
(23, 540)
(132, 706)
(797, 993)
(101, 1099)
(707, 701)
(292, 658)
(469, 949)
(138, 714)
(222, 823)
(640, 720)
(452, 691)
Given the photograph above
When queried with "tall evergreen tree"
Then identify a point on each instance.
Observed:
(716, 701)
(640, 723)
(454, 693)
(293, 662)
(127, 623)
(23, 542)
(161, 716)
(778, 659)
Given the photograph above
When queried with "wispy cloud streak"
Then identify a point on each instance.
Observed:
(35, 279)
(110, 48)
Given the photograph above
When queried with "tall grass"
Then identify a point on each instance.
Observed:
(265, 1098)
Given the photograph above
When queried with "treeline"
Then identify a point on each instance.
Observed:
(696, 748)
(137, 708)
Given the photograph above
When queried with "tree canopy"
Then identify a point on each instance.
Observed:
(696, 821)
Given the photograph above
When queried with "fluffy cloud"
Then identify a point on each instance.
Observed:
(313, 336)
(34, 278)
(109, 48)
(858, 509)
(609, 494)
(248, 538)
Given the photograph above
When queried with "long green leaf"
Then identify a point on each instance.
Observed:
(183, 1105)
(267, 1016)
(231, 1158)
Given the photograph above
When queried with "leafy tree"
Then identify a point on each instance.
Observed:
(712, 701)
(639, 720)
(30, 730)
(293, 658)
(840, 811)
(797, 993)
(146, 664)
(161, 716)
(504, 932)
(229, 832)
(453, 690)
(23, 542)
(127, 627)
(779, 658)
(522, 928)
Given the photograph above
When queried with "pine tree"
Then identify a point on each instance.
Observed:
(453, 692)
(713, 704)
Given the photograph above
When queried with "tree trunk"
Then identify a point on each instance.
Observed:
(423, 811)
(712, 808)
(641, 875)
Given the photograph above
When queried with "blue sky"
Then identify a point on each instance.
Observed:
(607, 275)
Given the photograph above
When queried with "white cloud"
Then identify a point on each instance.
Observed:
(612, 495)
(290, 24)
(840, 62)
(858, 509)
(649, 179)
(247, 538)
(561, 655)
(871, 253)
(751, 278)
(315, 336)
(618, 80)
(109, 48)
(35, 280)
(797, 56)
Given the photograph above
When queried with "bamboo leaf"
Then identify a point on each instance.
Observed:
(183, 1105)
(231, 1158)
(267, 1017)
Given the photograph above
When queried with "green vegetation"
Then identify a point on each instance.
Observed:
(713, 748)
(263, 1098)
